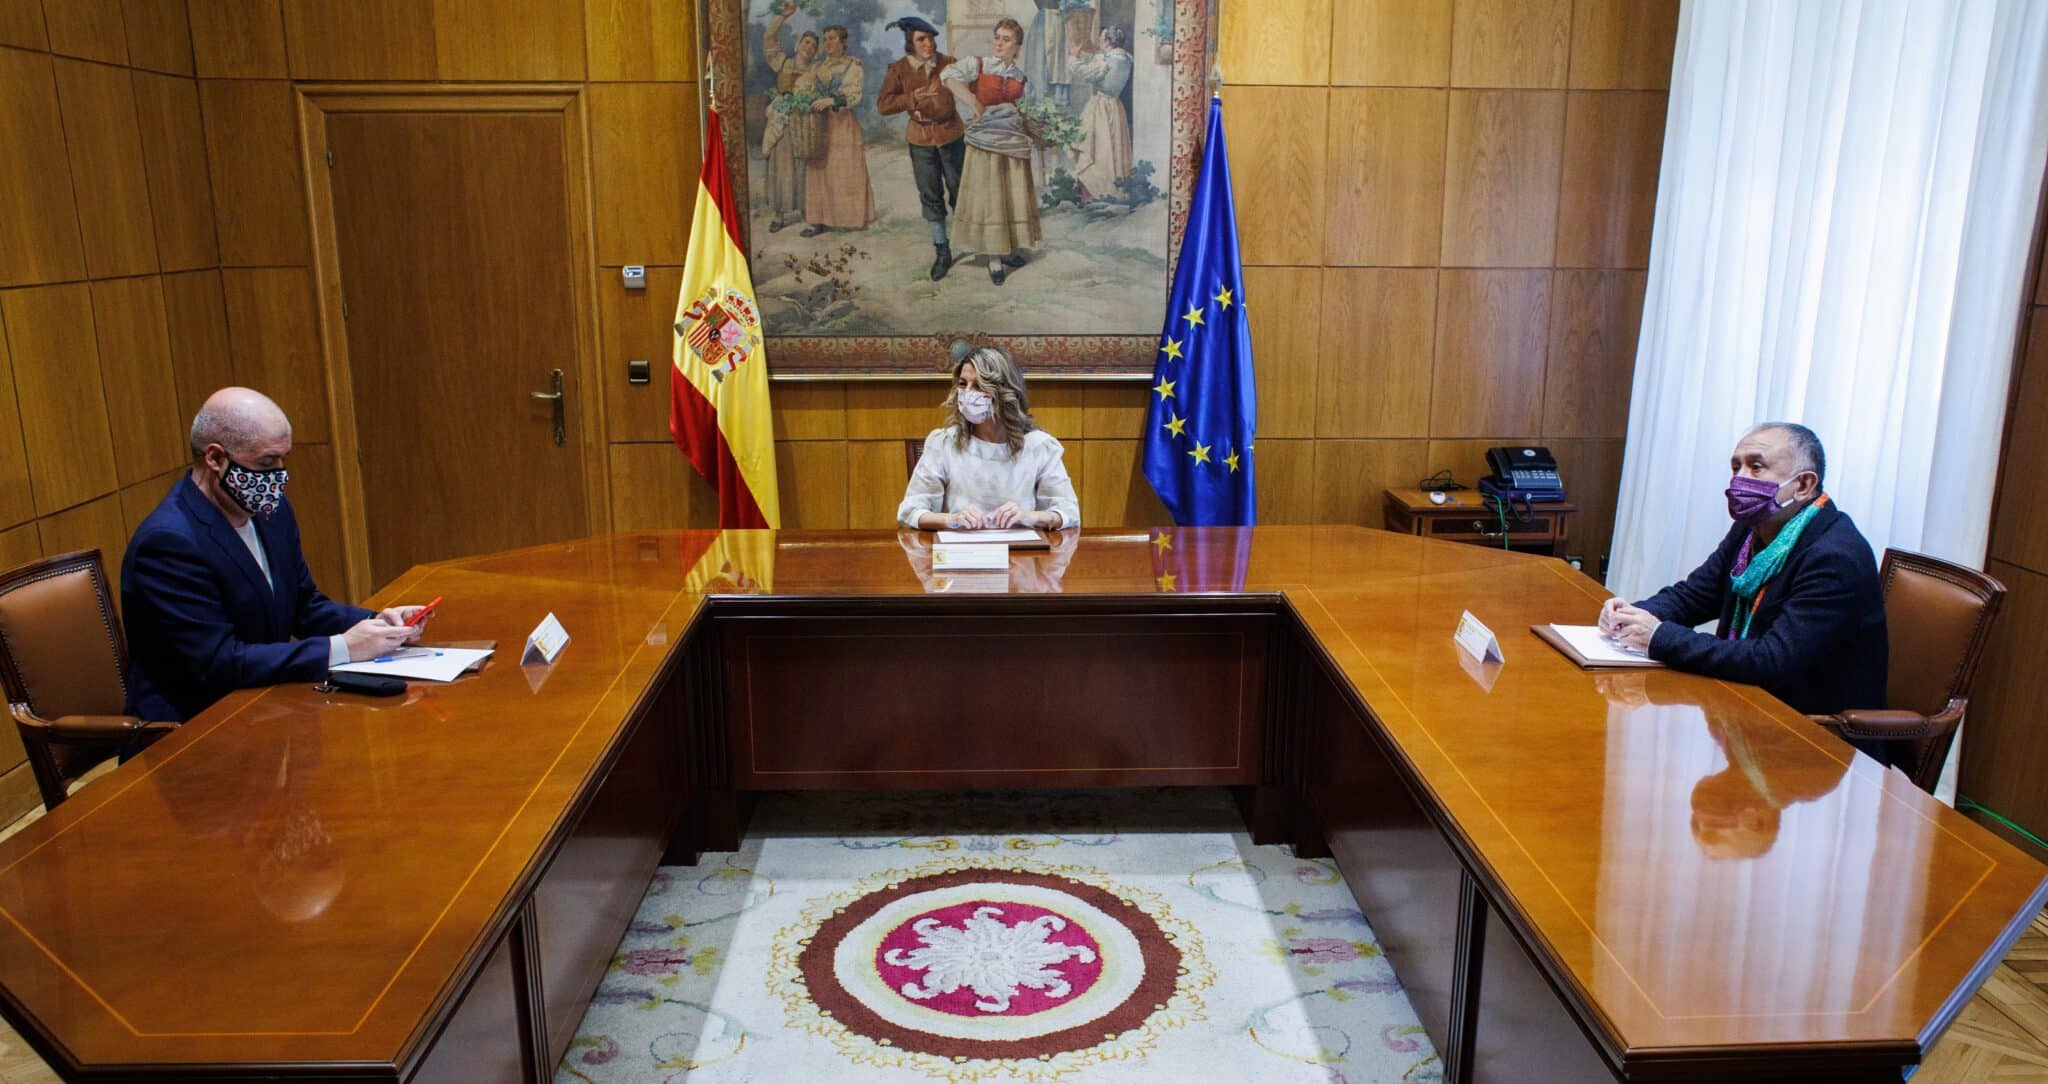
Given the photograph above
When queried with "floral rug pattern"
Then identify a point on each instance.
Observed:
(1012, 936)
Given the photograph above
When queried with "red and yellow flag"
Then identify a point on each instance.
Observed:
(718, 394)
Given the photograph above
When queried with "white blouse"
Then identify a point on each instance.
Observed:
(987, 476)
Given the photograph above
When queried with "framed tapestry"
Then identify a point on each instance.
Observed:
(914, 172)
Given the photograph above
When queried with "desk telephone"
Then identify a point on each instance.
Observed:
(1523, 474)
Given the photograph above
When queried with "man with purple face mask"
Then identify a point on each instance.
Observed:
(1794, 585)
(215, 593)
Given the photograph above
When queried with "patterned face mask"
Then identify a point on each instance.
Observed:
(259, 492)
(975, 406)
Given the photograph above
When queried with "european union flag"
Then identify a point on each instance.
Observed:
(1198, 433)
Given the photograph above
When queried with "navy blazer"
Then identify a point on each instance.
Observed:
(201, 621)
(1818, 640)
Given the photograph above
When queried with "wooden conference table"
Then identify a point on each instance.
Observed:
(1578, 877)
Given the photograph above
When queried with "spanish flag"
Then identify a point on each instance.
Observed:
(718, 395)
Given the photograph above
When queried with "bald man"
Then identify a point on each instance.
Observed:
(214, 591)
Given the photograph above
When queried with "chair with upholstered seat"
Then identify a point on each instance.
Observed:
(1938, 617)
(64, 665)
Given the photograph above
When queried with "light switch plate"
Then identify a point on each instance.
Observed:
(634, 275)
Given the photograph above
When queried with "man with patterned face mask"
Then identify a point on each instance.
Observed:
(1794, 585)
(214, 591)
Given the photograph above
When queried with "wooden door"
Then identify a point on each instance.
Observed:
(452, 231)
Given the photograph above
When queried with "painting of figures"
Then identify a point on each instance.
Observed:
(998, 167)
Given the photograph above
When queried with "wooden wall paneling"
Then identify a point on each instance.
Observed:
(135, 369)
(1613, 144)
(645, 185)
(895, 409)
(2020, 532)
(196, 316)
(105, 145)
(238, 39)
(140, 499)
(654, 488)
(252, 153)
(174, 152)
(2003, 754)
(1595, 318)
(1386, 186)
(1285, 308)
(1280, 155)
(57, 379)
(1113, 491)
(1391, 43)
(20, 545)
(1510, 43)
(1056, 407)
(637, 324)
(17, 502)
(274, 338)
(1492, 331)
(875, 479)
(1286, 480)
(811, 477)
(1379, 332)
(90, 29)
(1116, 411)
(1352, 477)
(810, 411)
(1501, 178)
(93, 525)
(21, 24)
(360, 39)
(316, 501)
(508, 39)
(1591, 470)
(159, 35)
(653, 40)
(1466, 458)
(1623, 44)
(1276, 42)
(39, 237)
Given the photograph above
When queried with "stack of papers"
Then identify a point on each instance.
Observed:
(1022, 538)
(421, 663)
(1591, 648)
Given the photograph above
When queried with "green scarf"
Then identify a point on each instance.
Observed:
(1747, 583)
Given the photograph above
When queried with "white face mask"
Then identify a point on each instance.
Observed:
(975, 406)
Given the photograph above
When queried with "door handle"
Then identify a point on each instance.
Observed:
(554, 397)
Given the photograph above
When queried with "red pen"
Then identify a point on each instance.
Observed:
(415, 619)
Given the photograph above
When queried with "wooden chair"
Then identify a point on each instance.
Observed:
(64, 666)
(913, 450)
(1938, 617)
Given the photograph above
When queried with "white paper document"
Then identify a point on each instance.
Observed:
(1013, 536)
(1596, 646)
(421, 663)
(969, 556)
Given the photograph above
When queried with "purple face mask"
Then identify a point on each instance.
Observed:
(1752, 500)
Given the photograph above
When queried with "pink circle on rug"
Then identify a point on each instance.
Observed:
(946, 950)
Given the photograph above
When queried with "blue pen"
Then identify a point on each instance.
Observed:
(408, 655)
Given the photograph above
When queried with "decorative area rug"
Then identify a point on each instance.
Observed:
(1003, 936)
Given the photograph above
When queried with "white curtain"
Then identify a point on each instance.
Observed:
(1844, 215)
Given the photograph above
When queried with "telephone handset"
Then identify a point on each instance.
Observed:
(1524, 473)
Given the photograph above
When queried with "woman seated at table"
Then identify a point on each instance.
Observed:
(989, 465)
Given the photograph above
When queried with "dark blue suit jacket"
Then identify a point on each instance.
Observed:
(202, 623)
(1818, 641)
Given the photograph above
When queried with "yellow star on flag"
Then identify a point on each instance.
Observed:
(1165, 390)
(1223, 298)
(1194, 314)
(1166, 582)
(1171, 349)
(1200, 453)
(1176, 425)
(1232, 460)
(1163, 541)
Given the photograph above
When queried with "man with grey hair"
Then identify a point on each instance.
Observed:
(215, 593)
(1794, 586)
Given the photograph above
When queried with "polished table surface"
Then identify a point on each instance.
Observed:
(296, 876)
